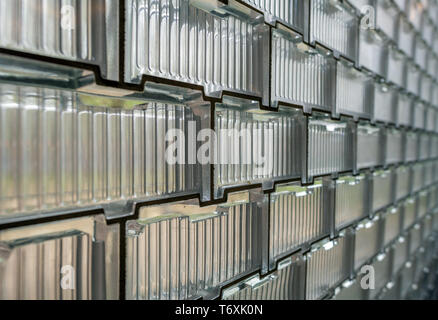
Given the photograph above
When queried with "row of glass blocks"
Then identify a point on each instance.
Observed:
(181, 250)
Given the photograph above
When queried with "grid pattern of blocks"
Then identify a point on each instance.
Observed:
(339, 98)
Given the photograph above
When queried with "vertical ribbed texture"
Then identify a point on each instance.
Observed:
(424, 145)
(330, 147)
(413, 78)
(417, 176)
(402, 186)
(290, 12)
(33, 269)
(411, 146)
(392, 225)
(419, 114)
(406, 36)
(301, 75)
(421, 49)
(178, 258)
(421, 204)
(404, 106)
(175, 40)
(254, 147)
(367, 242)
(383, 103)
(333, 25)
(415, 238)
(382, 271)
(381, 190)
(426, 88)
(295, 219)
(325, 269)
(386, 17)
(400, 254)
(56, 151)
(394, 146)
(372, 51)
(351, 87)
(368, 146)
(396, 67)
(409, 213)
(350, 201)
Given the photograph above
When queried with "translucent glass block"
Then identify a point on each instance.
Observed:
(415, 238)
(402, 4)
(417, 176)
(298, 215)
(369, 146)
(368, 241)
(409, 212)
(421, 204)
(424, 146)
(64, 149)
(335, 25)
(407, 276)
(360, 5)
(391, 291)
(383, 272)
(394, 146)
(382, 190)
(411, 148)
(330, 146)
(328, 264)
(84, 31)
(256, 146)
(428, 173)
(432, 64)
(432, 201)
(404, 109)
(413, 78)
(182, 251)
(419, 115)
(217, 48)
(350, 290)
(431, 118)
(433, 147)
(385, 103)
(400, 254)
(420, 52)
(406, 36)
(402, 185)
(64, 260)
(350, 200)
(386, 17)
(288, 12)
(301, 75)
(393, 223)
(353, 87)
(286, 283)
(373, 51)
(415, 13)
(427, 30)
(426, 88)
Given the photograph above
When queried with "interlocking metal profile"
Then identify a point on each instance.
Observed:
(204, 149)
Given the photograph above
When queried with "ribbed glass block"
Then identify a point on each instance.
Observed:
(415, 15)
(422, 204)
(335, 25)
(181, 250)
(428, 173)
(383, 273)
(85, 30)
(327, 266)
(431, 118)
(432, 65)
(415, 238)
(256, 146)
(400, 254)
(352, 89)
(288, 12)
(396, 66)
(426, 88)
(301, 75)
(359, 5)
(413, 78)
(407, 276)
(63, 260)
(350, 200)
(350, 290)
(404, 109)
(433, 147)
(286, 283)
(402, 186)
(391, 291)
(298, 215)
(394, 146)
(409, 212)
(417, 176)
(420, 52)
(368, 241)
(64, 149)
(402, 4)
(427, 30)
(393, 219)
(419, 115)
(411, 149)
(369, 142)
(386, 17)
(432, 201)
(373, 51)
(330, 146)
(218, 49)
(382, 190)
(424, 146)
(384, 106)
